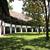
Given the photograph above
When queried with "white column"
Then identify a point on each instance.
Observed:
(37, 29)
(32, 29)
(15, 28)
(42, 29)
(0, 28)
(10, 28)
(3, 27)
(26, 28)
(21, 28)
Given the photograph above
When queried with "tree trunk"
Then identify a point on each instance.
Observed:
(47, 20)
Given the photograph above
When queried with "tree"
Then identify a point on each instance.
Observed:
(34, 9)
(10, 6)
(27, 4)
(47, 17)
(4, 10)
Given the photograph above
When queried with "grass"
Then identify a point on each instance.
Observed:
(24, 41)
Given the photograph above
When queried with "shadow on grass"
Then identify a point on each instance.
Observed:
(25, 34)
(14, 43)
(41, 42)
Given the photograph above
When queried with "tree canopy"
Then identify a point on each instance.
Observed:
(34, 9)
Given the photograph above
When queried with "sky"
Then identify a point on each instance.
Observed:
(17, 6)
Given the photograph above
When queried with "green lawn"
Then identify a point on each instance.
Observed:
(24, 41)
